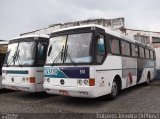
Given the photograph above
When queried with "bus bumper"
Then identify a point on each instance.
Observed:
(85, 92)
(21, 87)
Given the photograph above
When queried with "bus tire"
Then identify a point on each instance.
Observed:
(114, 90)
(148, 79)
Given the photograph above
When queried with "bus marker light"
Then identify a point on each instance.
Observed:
(91, 82)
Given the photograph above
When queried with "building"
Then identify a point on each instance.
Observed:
(109, 23)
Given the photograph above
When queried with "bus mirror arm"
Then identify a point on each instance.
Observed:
(50, 49)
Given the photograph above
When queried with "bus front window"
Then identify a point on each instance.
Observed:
(25, 53)
(21, 53)
(74, 48)
(11, 53)
(78, 48)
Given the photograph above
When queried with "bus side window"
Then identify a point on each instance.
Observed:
(100, 49)
(147, 53)
(125, 48)
(114, 46)
(42, 49)
(141, 52)
(151, 54)
(134, 50)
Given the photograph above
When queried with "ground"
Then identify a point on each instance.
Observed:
(136, 100)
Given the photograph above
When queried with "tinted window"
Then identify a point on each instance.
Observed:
(42, 50)
(100, 49)
(125, 47)
(147, 53)
(114, 45)
(141, 52)
(151, 54)
(134, 50)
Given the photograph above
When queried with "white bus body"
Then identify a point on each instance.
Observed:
(23, 66)
(92, 61)
(157, 51)
(3, 49)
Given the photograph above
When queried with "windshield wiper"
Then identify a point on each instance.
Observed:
(17, 58)
(12, 59)
(69, 56)
(60, 55)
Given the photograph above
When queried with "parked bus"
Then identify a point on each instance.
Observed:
(157, 51)
(3, 50)
(24, 62)
(92, 61)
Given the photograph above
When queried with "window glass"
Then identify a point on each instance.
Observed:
(100, 49)
(79, 48)
(42, 50)
(151, 54)
(147, 53)
(25, 54)
(134, 50)
(125, 47)
(114, 46)
(141, 52)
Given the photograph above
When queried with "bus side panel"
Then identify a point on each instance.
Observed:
(144, 67)
(39, 76)
(129, 72)
(104, 74)
(1, 83)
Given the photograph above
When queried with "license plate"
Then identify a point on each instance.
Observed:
(64, 92)
(14, 87)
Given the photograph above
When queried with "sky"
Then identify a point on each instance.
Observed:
(20, 16)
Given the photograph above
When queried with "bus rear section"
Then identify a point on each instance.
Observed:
(23, 66)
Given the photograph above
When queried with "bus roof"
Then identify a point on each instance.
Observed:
(107, 30)
(4, 42)
(29, 36)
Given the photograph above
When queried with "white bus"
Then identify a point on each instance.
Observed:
(3, 51)
(24, 63)
(92, 61)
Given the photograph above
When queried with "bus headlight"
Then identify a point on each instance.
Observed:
(80, 82)
(85, 81)
(48, 80)
(25, 80)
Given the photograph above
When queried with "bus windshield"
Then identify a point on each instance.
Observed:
(74, 48)
(21, 53)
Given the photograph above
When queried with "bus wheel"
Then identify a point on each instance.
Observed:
(148, 79)
(114, 90)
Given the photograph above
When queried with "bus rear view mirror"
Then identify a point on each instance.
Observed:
(49, 51)
(136, 50)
